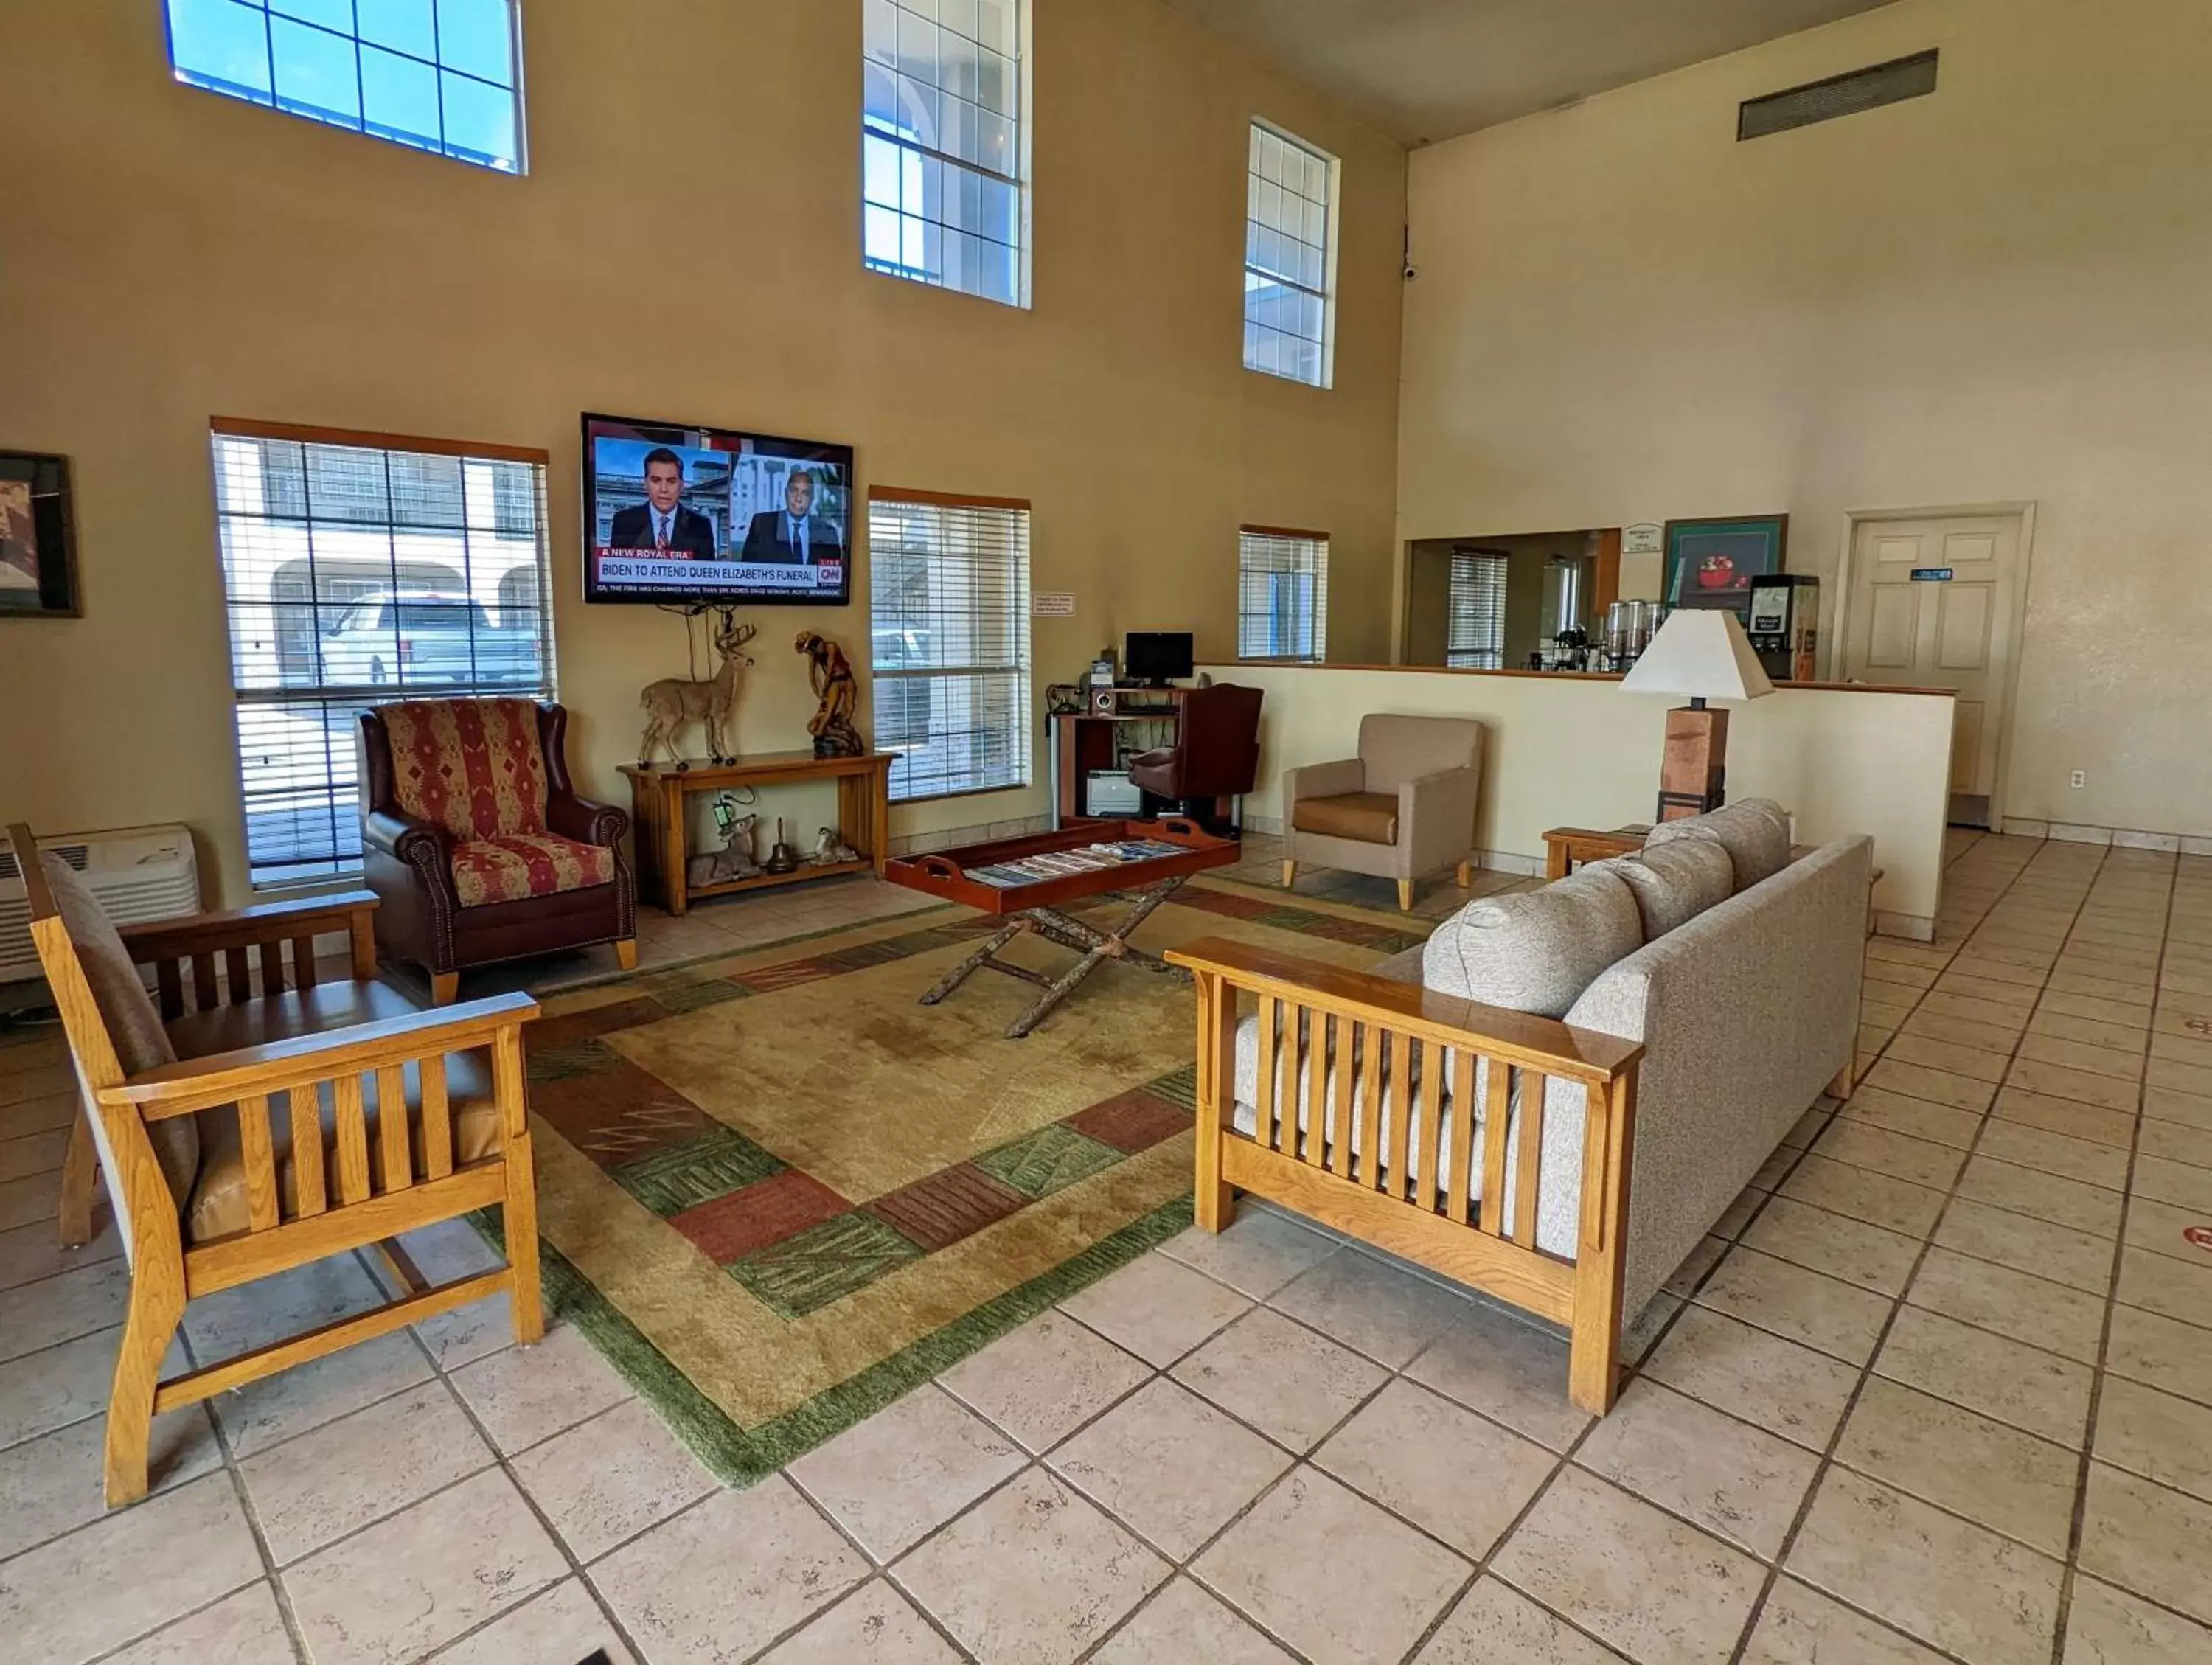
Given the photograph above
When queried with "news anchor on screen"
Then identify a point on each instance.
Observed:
(661, 523)
(793, 535)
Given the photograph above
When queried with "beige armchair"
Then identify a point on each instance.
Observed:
(1403, 808)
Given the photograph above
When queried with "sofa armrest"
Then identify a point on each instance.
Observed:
(585, 820)
(1435, 818)
(1321, 780)
(404, 838)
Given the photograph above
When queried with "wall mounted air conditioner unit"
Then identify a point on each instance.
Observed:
(138, 873)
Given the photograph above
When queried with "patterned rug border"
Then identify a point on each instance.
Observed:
(738, 950)
(740, 1458)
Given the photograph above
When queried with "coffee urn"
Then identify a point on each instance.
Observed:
(1785, 609)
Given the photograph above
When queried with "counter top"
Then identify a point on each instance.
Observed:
(1573, 676)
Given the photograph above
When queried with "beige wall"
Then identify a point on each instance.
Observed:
(1576, 751)
(167, 255)
(2002, 292)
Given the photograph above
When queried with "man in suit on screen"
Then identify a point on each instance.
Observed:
(661, 523)
(794, 535)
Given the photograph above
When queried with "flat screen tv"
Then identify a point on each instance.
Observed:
(704, 517)
(1156, 657)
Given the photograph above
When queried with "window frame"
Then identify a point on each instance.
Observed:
(323, 697)
(1316, 651)
(1024, 748)
(1333, 213)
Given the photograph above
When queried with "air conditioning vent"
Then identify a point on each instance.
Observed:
(138, 874)
(1839, 96)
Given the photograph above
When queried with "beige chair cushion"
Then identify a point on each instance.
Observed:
(127, 1013)
(1369, 817)
(1673, 883)
(1538, 950)
(219, 1205)
(1755, 833)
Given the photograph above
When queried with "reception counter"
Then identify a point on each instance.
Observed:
(1562, 750)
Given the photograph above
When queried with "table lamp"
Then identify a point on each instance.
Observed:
(1704, 654)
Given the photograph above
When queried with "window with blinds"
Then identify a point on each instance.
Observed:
(435, 74)
(949, 587)
(943, 149)
(1474, 629)
(1282, 594)
(1289, 258)
(358, 570)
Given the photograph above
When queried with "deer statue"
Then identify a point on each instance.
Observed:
(672, 703)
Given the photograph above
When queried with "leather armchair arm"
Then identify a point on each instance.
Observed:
(405, 839)
(585, 822)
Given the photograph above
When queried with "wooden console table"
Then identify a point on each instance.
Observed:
(657, 793)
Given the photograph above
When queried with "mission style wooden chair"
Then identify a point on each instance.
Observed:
(259, 1118)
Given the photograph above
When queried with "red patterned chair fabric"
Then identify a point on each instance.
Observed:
(473, 767)
(519, 865)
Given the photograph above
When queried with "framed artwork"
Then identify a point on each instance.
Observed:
(38, 538)
(1710, 563)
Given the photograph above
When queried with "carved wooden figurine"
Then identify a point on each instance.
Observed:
(673, 703)
(831, 674)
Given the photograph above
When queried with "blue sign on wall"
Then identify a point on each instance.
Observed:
(1931, 574)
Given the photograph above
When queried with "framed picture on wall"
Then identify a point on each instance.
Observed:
(37, 542)
(1710, 563)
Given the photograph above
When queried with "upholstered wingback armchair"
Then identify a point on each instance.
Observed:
(477, 844)
(1402, 808)
(1216, 754)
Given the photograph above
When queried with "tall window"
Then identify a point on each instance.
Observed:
(945, 144)
(358, 572)
(438, 75)
(948, 582)
(1289, 259)
(1474, 629)
(1282, 594)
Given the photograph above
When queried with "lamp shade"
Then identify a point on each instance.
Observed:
(1699, 653)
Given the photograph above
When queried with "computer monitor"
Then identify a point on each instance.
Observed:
(1156, 657)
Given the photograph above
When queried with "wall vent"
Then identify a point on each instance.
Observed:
(1839, 96)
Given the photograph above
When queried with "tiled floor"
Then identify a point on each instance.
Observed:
(1939, 1389)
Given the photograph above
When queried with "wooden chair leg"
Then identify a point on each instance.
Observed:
(157, 1302)
(80, 1182)
(626, 953)
(1466, 875)
(445, 988)
(1405, 895)
(1290, 874)
(521, 1223)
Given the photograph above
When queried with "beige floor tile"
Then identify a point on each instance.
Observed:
(1895, 975)
(1156, 1308)
(1734, 1480)
(1451, 1473)
(2172, 1076)
(2178, 1288)
(1842, 1247)
(525, 1395)
(2189, 1109)
(727, 1577)
(1509, 1370)
(361, 1468)
(562, 1624)
(2063, 1115)
(1258, 1255)
(61, 1309)
(1894, 1204)
(1699, 1260)
(244, 1628)
(1801, 1136)
(1643, 1334)
(2071, 978)
(2057, 1024)
(1388, 1314)
(1170, 1465)
(2176, 1143)
(1781, 1386)
(1800, 1305)
(1383, 1584)
(281, 1407)
(2163, 1229)
(2067, 1321)
(1997, 966)
(51, 1484)
(2145, 1347)
(2047, 1196)
(56, 1386)
(2108, 1626)
(2017, 1385)
(1962, 1031)
(1878, 1149)
(1960, 1460)
(1959, 1092)
(31, 1252)
(1032, 1576)
(2155, 1435)
(1801, 1626)
(1974, 1062)
(1946, 1003)
(893, 1479)
(2077, 1259)
(2178, 1184)
(874, 1625)
(1647, 1585)
(1043, 1382)
(1960, 1587)
(1292, 1385)
(2118, 1014)
(2188, 1047)
(608, 1479)
(469, 1333)
(28, 1199)
(2085, 1086)
(1916, 1117)
(2084, 1055)
(1184, 1622)
(2056, 1154)
(1494, 1622)
(70, 1601)
(2016, 999)
(2148, 1539)
(1738, 1214)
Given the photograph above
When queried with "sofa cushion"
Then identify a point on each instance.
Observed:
(473, 767)
(522, 865)
(1675, 882)
(127, 1013)
(1369, 817)
(1755, 833)
(1538, 950)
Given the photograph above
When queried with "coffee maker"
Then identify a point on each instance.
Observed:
(1785, 611)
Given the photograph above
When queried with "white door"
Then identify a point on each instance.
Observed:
(1931, 606)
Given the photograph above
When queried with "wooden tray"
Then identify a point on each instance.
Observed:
(944, 872)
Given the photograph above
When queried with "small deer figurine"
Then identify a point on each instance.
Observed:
(672, 703)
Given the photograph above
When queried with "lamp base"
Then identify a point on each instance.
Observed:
(1693, 773)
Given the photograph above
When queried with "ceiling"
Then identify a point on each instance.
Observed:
(1429, 69)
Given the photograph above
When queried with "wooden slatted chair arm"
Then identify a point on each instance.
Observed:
(190, 951)
(263, 921)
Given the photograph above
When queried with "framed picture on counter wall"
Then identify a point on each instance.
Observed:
(38, 551)
(1710, 563)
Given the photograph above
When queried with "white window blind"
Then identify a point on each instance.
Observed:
(356, 574)
(1282, 594)
(1474, 630)
(943, 145)
(1289, 259)
(435, 74)
(949, 587)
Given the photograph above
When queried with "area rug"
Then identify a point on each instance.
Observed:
(777, 1192)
